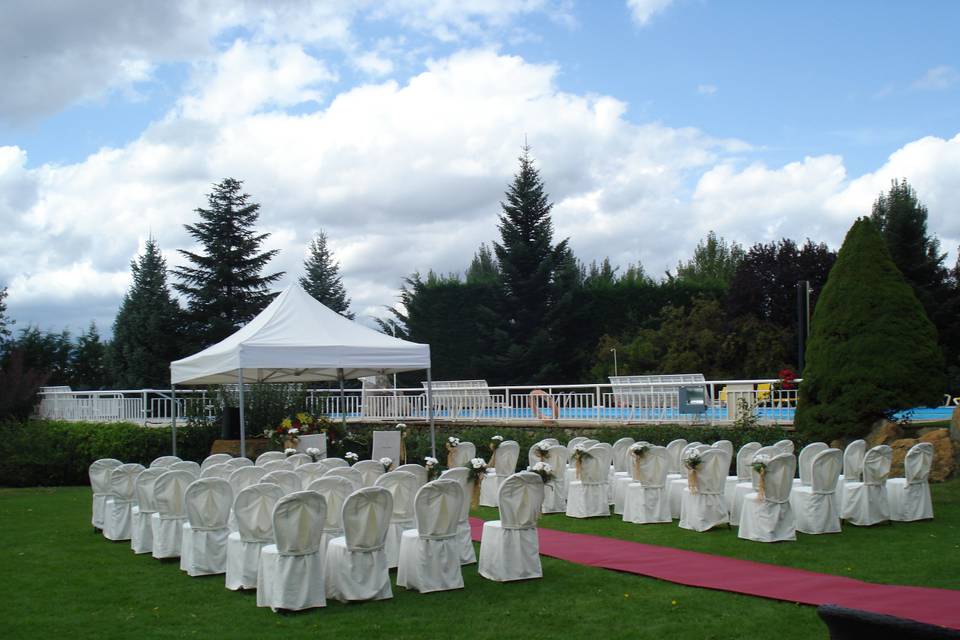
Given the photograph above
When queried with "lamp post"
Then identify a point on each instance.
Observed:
(613, 350)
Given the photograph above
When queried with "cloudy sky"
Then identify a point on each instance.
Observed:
(394, 125)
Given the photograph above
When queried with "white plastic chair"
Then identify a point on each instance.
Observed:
(461, 475)
(865, 503)
(621, 472)
(416, 469)
(99, 473)
(186, 465)
(743, 488)
(702, 506)
(203, 550)
(335, 491)
(357, 562)
(555, 490)
(645, 500)
(805, 462)
(909, 496)
(429, 554)
(291, 572)
(506, 464)
(370, 470)
(117, 514)
(216, 458)
(587, 497)
(351, 474)
(167, 522)
(771, 519)
(141, 532)
(288, 481)
(509, 548)
(269, 456)
(814, 505)
(403, 486)
(253, 508)
(164, 461)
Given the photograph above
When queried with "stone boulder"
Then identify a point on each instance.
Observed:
(955, 425)
(944, 454)
(884, 432)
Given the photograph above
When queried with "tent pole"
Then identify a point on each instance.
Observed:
(173, 418)
(433, 431)
(243, 440)
(343, 402)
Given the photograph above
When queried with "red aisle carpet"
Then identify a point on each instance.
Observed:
(933, 606)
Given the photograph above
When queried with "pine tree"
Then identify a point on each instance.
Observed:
(88, 368)
(224, 288)
(529, 267)
(322, 279)
(5, 321)
(872, 350)
(147, 331)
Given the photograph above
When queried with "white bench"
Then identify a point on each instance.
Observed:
(652, 391)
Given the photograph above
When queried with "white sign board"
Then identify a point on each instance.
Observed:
(313, 441)
(386, 444)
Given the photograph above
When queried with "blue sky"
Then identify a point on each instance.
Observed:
(756, 119)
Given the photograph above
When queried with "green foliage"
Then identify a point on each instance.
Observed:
(18, 387)
(5, 321)
(42, 453)
(147, 331)
(224, 288)
(44, 351)
(322, 277)
(872, 349)
(713, 264)
(88, 361)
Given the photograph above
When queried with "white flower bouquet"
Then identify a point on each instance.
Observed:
(314, 453)
(289, 452)
(351, 457)
(433, 467)
(544, 470)
(387, 464)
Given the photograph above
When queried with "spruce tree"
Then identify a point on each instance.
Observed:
(147, 331)
(872, 350)
(88, 361)
(529, 266)
(322, 278)
(224, 288)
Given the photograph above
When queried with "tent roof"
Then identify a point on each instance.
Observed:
(297, 339)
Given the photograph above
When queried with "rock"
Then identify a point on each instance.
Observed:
(955, 425)
(884, 432)
(900, 448)
(254, 447)
(944, 460)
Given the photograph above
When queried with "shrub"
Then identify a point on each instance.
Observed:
(48, 453)
(872, 349)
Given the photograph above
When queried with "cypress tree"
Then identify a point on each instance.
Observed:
(872, 350)
(147, 329)
(322, 278)
(224, 288)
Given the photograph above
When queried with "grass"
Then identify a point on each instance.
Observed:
(62, 580)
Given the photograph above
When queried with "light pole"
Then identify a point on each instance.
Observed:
(613, 350)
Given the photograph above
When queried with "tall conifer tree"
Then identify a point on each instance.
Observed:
(322, 277)
(148, 327)
(224, 288)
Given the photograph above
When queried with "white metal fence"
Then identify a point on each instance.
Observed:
(727, 401)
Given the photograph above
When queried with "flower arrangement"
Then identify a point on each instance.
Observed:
(759, 464)
(299, 424)
(639, 449)
(314, 454)
(544, 470)
(691, 461)
(351, 457)
(578, 454)
(402, 428)
(433, 468)
(541, 450)
(387, 464)
(495, 442)
(289, 451)
(788, 379)
(452, 444)
(477, 472)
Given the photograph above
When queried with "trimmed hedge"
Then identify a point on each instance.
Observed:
(47, 453)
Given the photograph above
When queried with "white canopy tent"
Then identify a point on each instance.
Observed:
(297, 339)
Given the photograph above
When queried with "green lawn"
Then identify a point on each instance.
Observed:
(62, 580)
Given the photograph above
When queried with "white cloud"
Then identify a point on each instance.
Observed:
(706, 89)
(643, 11)
(938, 78)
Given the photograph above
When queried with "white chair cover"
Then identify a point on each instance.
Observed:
(674, 449)
(506, 462)
(164, 461)
(462, 455)
(335, 490)
(253, 508)
(277, 465)
(785, 446)
(186, 465)
(99, 473)
(509, 548)
(461, 475)
(141, 534)
(237, 463)
(288, 481)
(351, 474)
(244, 477)
(852, 468)
(221, 470)
(298, 459)
(622, 476)
(429, 554)
(725, 446)
(269, 456)
(117, 515)
(309, 472)
(805, 462)
(743, 488)
(587, 497)
(702, 506)
(865, 503)
(744, 458)
(357, 562)
(555, 490)
(909, 496)
(575, 441)
(167, 522)
(814, 505)
(334, 463)
(676, 483)
(203, 550)
(532, 457)
(403, 486)
(370, 470)
(216, 458)
(291, 571)
(416, 469)
(771, 519)
(645, 500)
